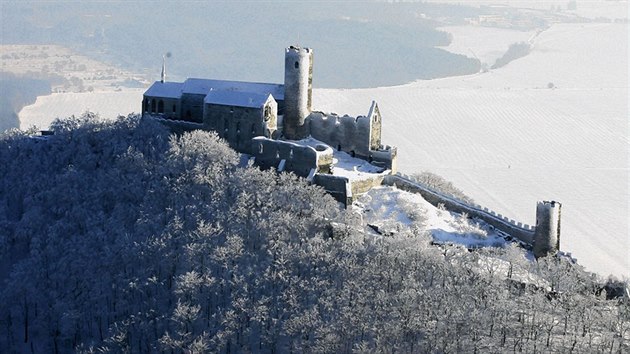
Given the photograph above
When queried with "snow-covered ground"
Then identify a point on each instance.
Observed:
(612, 9)
(484, 43)
(108, 104)
(390, 209)
(508, 140)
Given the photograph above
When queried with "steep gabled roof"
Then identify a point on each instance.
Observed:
(165, 89)
(237, 99)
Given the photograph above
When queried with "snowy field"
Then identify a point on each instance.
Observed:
(508, 140)
(612, 9)
(484, 43)
(108, 105)
(504, 137)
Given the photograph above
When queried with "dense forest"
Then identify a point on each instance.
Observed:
(119, 237)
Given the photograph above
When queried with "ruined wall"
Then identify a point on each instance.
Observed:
(346, 133)
(363, 185)
(374, 115)
(358, 136)
(175, 126)
(385, 157)
(285, 156)
(522, 232)
(338, 187)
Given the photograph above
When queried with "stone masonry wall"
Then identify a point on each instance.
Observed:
(345, 133)
(338, 187)
(524, 233)
(297, 158)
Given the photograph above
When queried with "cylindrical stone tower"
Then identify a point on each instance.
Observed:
(298, 88)
(547, 233)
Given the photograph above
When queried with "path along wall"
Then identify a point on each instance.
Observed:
(522, 232)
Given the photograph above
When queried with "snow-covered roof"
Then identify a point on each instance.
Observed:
(165, 89)
(235, 98)
(203, 86)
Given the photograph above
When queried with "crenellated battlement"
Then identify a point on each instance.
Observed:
(544, 238)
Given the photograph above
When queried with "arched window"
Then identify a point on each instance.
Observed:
(152, 106)
(297, 65)
(174, 108)
(161, 106)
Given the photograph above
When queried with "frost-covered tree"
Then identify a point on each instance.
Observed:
(120, 237)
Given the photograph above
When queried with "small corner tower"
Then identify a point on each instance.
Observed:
(547, 233)
(298, 89)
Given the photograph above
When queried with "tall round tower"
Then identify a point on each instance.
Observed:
(298, 88)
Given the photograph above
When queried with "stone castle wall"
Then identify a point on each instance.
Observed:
(344, 133)
(285, 156)
(192, 107)
(338, 187)
(522, 232)
(239, 125)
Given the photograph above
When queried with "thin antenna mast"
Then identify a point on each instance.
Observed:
(163, 76)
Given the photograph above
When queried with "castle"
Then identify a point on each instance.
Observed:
(275, 126)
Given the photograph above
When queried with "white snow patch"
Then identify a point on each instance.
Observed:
(352, 167)
(591, 9)
(484, 43)
(391, 208)
(345, 165)
(107, 104)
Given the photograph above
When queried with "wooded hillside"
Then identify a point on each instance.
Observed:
(121, 238)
